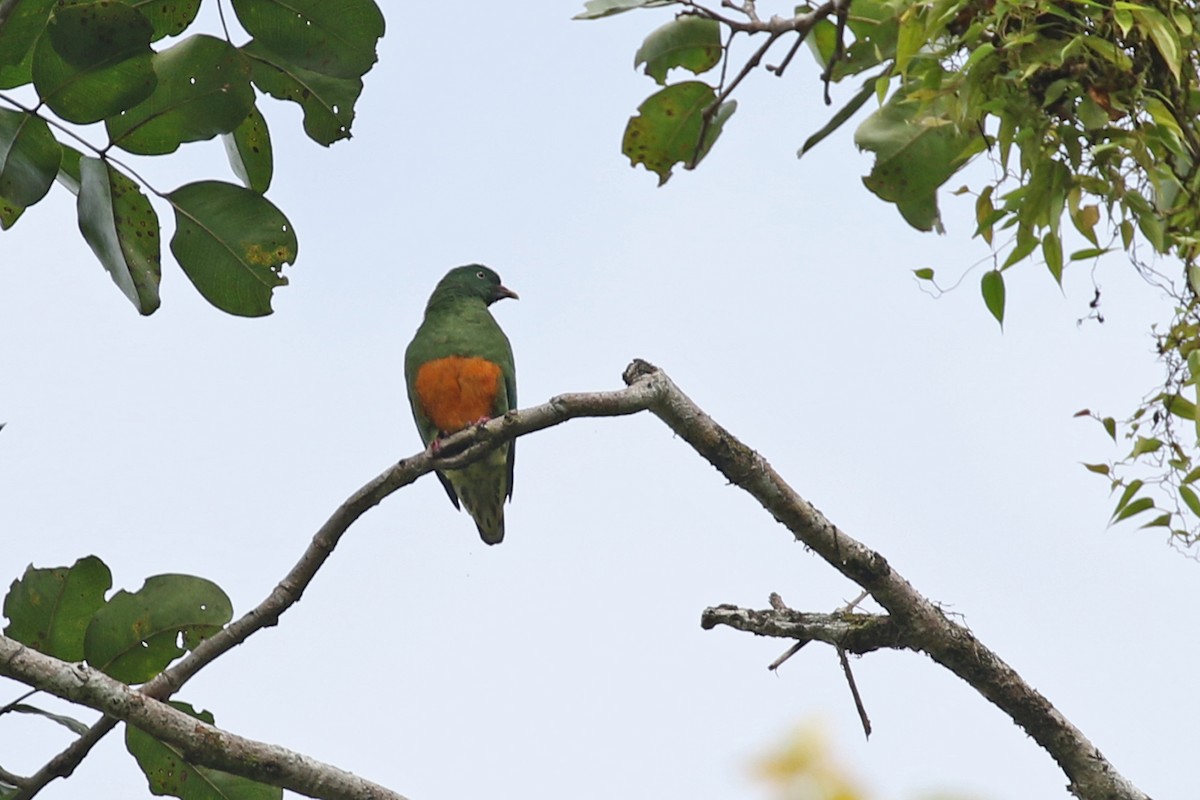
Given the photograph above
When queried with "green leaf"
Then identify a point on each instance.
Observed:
(925, 273)
(17, 35)
(336, 39)
(49, 609)
(122, 229)
(992, 287)
(249, 151)
(1110, 427)
(838, 119)
(1190, 499)
(1090, 252)
(203, 90)
(1162, 115)
(94, 61)
(1099, 469)
(328, 103)
(668, 126)
(1052, 253)
(10, 212)
(1144, 445)
(70, 723)
(595, 9)
(169, 773)
(916, 151)
(137, 635)
(29, 157)
(68, 170)
(1181, 407)
(910, 38)
(690, 42)
(169, 18)
(1085, 219)
(1092, 114)
(1161, 521)
(1026, 243)
(1193, 364)
(1162, 32)
(1134, 508)
(1130, 490)
(232, 243)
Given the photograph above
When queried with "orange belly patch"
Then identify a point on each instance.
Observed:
(458, 391)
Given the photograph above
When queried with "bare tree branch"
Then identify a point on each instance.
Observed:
(924, 626)
(456, 450)
(199, 742)
(912, 621)
(854, 633)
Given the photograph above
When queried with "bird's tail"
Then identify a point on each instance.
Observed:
(482, 487)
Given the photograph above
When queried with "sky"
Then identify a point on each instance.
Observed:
(569, 661)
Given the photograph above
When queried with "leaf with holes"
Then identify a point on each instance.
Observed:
(29, 157)
(169, 773)
(203, 90)
(328, 102)
(232, 243)
(689, 42)
(668, 127)
(121, 227)
(336, 39)
(49, 609)
(94, 61)
(168, 17)
(249, 150)
(916, 151)
(136, 635)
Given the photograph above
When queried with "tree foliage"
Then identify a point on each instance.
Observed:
(97, 62)
(1087, 109)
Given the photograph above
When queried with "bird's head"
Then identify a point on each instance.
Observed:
(473, 280)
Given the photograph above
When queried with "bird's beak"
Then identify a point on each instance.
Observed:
(501, 292)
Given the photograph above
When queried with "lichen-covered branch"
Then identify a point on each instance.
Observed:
(199, 742)
(854, 633)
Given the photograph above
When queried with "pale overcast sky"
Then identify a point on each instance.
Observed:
(569, 661)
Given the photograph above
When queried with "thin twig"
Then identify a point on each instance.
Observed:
(9, 707)
(791, 651)
(842, 10)
(858, 703)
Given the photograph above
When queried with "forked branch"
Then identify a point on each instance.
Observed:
(911, 621)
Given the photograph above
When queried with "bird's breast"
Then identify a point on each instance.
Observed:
(457, 391)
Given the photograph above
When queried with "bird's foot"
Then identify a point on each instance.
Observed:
(482, 421)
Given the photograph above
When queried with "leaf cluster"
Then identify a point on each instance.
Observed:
(1088, 110)
(132, 637)
(96, 62)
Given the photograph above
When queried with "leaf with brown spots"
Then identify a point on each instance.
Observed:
(122, 229)
(233, 244)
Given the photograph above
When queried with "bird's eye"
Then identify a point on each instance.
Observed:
(479, 275)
